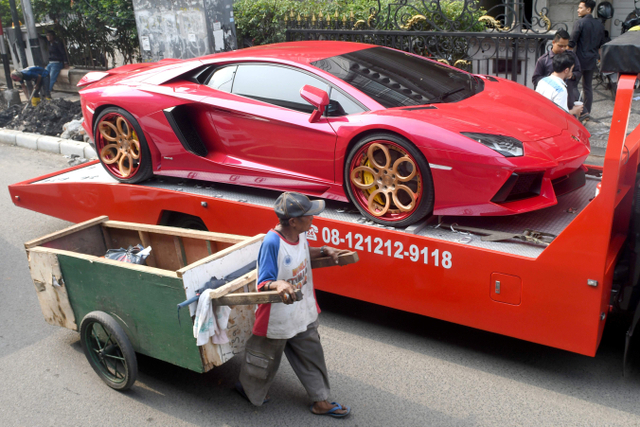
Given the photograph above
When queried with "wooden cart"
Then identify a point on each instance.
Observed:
(122, 308)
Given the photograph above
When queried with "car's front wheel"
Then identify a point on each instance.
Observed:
(121, 146)
(389, 181)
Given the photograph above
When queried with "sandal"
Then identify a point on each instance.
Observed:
(332, 412)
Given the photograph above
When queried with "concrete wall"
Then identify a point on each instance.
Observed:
(184, 28)
(67, 80)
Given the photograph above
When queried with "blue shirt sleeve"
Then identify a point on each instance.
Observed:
(268, 258)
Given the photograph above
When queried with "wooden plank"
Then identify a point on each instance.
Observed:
(87, 241)
(51, 289)
(146, 242)
(234, 285)
(194, 249)
(247, 298)
(123, 238)
(165, 251)
(182, 259)
(175, 231)
(107, 237)
(92, 258)
(343, 259)
(221, 254)
(65, 232)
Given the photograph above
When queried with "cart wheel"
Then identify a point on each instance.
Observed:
(108, 350)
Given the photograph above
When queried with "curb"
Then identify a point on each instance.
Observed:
(51, 144)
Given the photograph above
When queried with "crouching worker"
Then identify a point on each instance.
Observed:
(554, 88)
(284, 265)
(39, 77)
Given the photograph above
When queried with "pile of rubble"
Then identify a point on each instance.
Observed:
(48, 118)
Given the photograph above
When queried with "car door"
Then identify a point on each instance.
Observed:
(263, 123)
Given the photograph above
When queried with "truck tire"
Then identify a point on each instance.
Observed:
(108, 350)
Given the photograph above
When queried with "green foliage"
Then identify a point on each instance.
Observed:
(262, 21)
(93, 30)
(5, 13)
(259, 20)
(468, 19)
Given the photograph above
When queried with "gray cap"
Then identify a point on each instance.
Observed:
(294, 205)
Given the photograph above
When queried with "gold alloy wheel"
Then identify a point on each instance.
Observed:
(122, 147)
(376, 180)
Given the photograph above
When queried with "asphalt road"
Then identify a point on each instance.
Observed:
(392, 368)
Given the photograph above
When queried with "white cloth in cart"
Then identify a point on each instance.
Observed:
(210, 323)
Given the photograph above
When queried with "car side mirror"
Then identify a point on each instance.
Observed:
(316, 97)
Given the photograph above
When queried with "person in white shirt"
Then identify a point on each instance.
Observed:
(553, 86)
(284, 265)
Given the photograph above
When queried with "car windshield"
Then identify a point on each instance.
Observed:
(397, 79)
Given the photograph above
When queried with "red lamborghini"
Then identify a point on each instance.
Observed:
(398, 135)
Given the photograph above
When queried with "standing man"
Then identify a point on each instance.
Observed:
(544, 65)
(56, 58)
(39, 77)
(284, 265)
(553, 86)
(588, 33)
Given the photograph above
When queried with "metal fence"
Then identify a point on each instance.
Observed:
(504, 41)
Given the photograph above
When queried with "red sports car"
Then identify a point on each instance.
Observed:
(398, 135)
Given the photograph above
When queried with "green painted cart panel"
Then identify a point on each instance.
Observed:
(143, 303)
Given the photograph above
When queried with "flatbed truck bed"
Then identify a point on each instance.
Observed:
(558, 294)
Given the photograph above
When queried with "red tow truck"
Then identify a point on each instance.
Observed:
(545, 276)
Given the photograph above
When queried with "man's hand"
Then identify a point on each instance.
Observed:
(576, 110)
(286, 291)
(333, 252)
(326, 251)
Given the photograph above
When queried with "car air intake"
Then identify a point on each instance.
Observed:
(519, 186)
(179, 119)
(568, 183)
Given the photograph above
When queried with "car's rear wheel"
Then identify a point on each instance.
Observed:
(121, 146)
(389, 181)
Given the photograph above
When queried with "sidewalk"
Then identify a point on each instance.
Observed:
(52, 144)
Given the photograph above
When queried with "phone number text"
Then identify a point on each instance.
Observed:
(388, 248)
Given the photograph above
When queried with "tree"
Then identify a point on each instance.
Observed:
(94, 31)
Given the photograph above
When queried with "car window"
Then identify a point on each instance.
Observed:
(275, 85)
(222, 78)
(341, 105)
(397, 79)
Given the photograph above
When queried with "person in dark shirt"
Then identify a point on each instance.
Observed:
(39, 77)
(57, 58)
(544, 65)
(588, 33)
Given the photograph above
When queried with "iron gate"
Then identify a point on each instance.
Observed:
(506, 40)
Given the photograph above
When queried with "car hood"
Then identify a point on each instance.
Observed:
(503, 108)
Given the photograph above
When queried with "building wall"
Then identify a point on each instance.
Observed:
(566, 11)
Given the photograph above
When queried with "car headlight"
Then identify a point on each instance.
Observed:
(505, 145)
